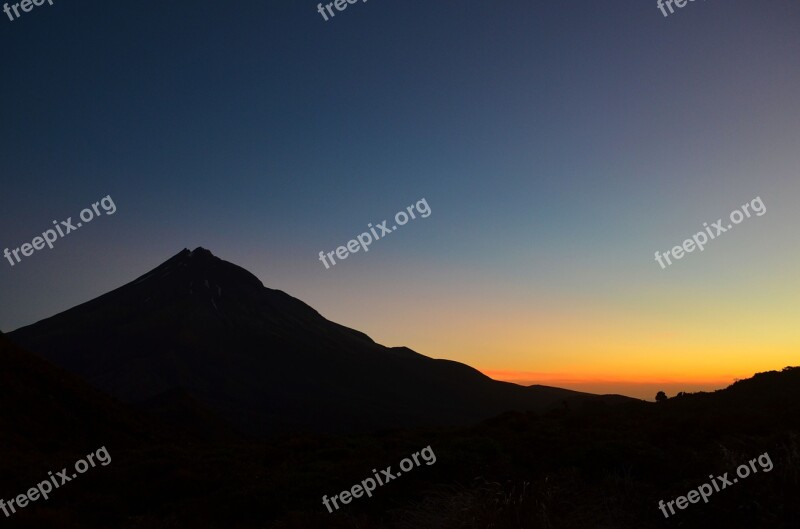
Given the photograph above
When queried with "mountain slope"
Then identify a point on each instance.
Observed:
(43, 408)
(264, 360)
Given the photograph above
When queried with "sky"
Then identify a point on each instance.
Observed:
(559, 145)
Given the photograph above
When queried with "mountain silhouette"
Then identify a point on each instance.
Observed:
(200, 331)
(568, 466)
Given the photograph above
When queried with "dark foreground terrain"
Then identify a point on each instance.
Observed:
(595, 466)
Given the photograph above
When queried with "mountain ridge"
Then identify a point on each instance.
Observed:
(264, 360)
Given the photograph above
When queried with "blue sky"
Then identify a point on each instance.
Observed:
(559, 144)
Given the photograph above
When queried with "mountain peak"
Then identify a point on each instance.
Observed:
(200, 266)
(201, 252)
(198, 252)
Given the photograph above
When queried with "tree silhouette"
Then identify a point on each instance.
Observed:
(661, 396)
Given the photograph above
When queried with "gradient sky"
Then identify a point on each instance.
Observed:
(558, 144)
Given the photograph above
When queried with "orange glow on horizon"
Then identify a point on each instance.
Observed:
(640, 387)
(546, 378)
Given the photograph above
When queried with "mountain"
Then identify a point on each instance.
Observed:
(200, 329)
(44, 408)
